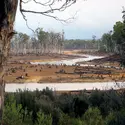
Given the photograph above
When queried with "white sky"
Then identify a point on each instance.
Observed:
(94, 17)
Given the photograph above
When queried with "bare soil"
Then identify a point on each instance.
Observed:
(93, 52)
(18, 66)
(44, 57)
(109, 60)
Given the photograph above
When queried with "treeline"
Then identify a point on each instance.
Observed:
(48, 108)
(47, 42)
(80, 44)
(114, 41)
(41, 42)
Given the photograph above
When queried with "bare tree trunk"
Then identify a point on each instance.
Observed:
(7, 17)
(4, 51)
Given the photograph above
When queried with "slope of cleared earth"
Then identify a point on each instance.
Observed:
(19, 70)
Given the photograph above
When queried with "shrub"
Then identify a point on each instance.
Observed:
(66, 120)
(12, 113)
(13, 70)
(43, 119)
(80, 106)
(93, 117)
(115, 118)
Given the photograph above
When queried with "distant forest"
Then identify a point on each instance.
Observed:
(80, 44)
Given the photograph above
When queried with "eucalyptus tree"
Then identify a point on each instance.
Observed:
(42, 38)
(23, 41)
(14, 49)
(7, 17)
(107, 42)
(119, 37)
(41, 42)
(51, 42)
(60, 40)
(19, 43)
(34, 46)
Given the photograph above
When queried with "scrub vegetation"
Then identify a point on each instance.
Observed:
(52, 108)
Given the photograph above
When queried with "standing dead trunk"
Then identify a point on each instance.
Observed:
(7, 17)
(5, 37)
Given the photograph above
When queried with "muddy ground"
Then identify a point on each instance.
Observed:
(43, 57)
(19, 70)
(107, 60)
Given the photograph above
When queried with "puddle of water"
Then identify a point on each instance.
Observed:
(12, 87)
(70, 61)
(64, 86)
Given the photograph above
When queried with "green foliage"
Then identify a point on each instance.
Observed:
(93, 117)
(66, 120)
(56, 114)
(107, 44)
(13, 70)
(23, 37)
(106, 101)
(47, 108)
(114, 41)
(48, 92)
(119, 32)
(119, 37)
(115, 118)
(43, 119)
(80, 44)
(80, 106)
(12, 115)
(41, 34)
(65, 103)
